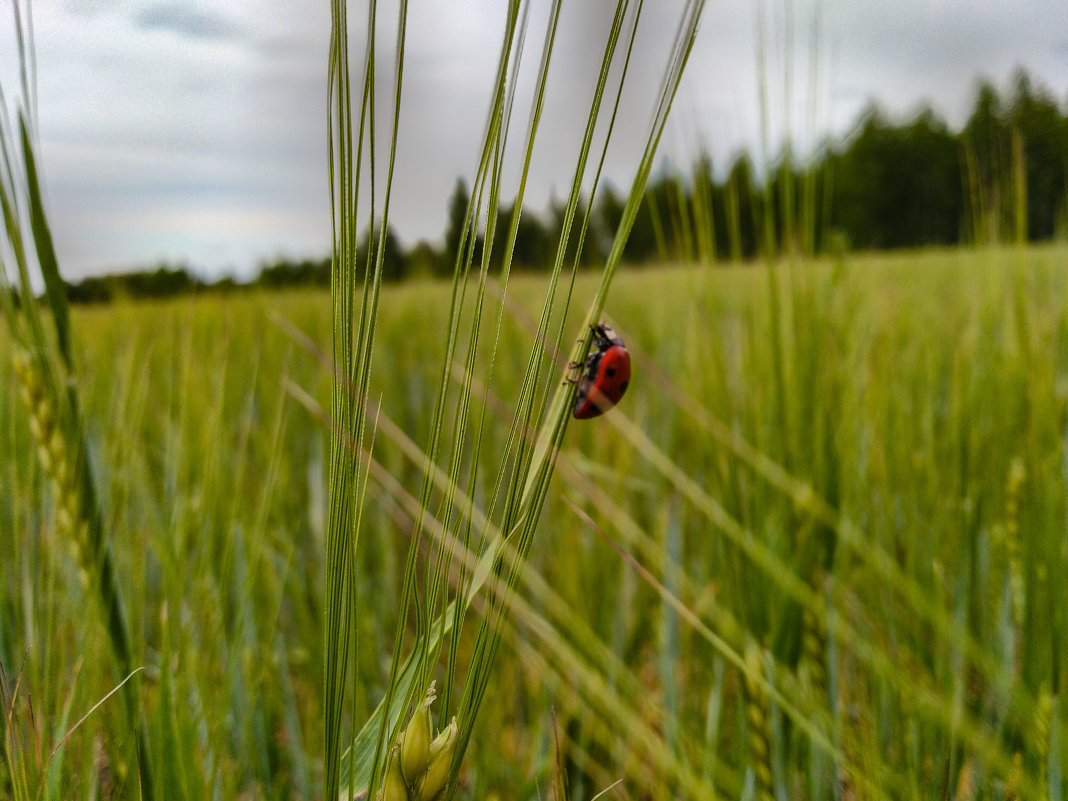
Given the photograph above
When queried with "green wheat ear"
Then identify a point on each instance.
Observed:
(1017, 476)
(44, 367)
(54, 454)
(758, 714)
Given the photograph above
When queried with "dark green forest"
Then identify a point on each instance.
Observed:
(890, 184)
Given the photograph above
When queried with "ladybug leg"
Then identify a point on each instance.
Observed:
(593, 328)
(573, 373)
(576, 368)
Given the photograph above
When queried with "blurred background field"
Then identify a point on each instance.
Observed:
(922, 631)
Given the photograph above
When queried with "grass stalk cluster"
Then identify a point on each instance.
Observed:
(526, 463)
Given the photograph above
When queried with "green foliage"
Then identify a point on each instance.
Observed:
(163, 282)
(304, 273)
(456, 226)
(899, 186)
(1016, 164)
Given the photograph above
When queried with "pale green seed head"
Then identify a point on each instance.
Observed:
(415, 742)
(57, 446)
(45, 457)
(64, 522)
(44, 413)
(394, 788)
(441, 756)
(40, 432)
(21, 360)
(27, 396)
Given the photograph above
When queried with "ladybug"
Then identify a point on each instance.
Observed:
(606, 374)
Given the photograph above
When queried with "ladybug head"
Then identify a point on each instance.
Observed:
(604, 336)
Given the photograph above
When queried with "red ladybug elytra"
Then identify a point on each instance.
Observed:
(606, 374)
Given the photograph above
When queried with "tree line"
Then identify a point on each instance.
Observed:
(1003, 177)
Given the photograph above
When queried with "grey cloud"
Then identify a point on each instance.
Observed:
(186, 22)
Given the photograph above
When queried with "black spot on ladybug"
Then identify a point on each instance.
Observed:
(623, 387)
(611, 371)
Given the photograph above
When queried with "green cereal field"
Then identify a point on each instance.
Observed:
(882, 536)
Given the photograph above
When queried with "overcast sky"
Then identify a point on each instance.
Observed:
(196, 131)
